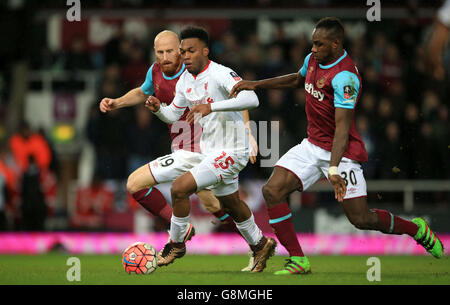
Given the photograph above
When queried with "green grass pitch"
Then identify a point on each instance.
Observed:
(51, 269)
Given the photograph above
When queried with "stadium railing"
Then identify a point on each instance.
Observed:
(407, 187)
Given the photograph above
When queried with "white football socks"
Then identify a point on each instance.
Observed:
(250, 231)
(178, 228)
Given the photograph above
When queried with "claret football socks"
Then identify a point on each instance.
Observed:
(154, 202)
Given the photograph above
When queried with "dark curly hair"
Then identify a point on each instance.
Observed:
(195, 32)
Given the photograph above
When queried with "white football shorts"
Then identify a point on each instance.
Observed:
(219, 171)
(310, 163)
(169, 167)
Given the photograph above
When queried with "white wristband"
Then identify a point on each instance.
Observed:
(333, 170)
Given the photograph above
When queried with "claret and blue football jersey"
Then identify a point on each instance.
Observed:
(336, 85)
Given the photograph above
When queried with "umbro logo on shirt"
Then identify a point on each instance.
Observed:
(316, 93)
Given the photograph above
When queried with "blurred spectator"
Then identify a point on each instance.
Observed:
(430, 105)
(135, 68)
(357, 51)
(8, 168)
(276, 103)
(368, 106)
(384, 116)
(77, 58)
(416, 80)
(370, 78)
(274, 63)
(252, 53)
(142, 136)
(227, 51)
(428, 161)
(93, 202)
(10, 172)
(441, 129)
(410, 129)
(112, 83)
(26, 143)
(367, 135)
(377, 50)
(108, 134)
(3, 200)
(391, 69)
(115, 51)
(33, 205)
(391, 157)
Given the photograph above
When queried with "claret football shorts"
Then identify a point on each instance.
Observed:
(310, 163)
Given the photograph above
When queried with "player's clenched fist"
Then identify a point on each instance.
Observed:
(242, 85)
(108, 104)
(152, 103)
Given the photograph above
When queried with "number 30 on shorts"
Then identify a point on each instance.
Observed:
(349, 176)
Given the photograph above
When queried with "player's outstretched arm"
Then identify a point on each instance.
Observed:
(131, 98)
(292, 80)
(245, 100)
(343, 119)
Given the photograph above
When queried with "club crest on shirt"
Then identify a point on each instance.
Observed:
(311, 69)
(321, 82)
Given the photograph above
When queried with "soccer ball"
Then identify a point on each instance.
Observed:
(140, 258)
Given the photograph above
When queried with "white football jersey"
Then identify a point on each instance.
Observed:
(223, 129)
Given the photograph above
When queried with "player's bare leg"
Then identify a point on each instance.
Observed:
(363, 218)
(359, 214)
(280, 184)
(140, 185)
(209, 201)
(262, 247)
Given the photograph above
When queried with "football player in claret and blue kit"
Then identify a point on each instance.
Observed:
(333, 148)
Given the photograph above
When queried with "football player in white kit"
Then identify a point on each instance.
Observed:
(204, 89)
